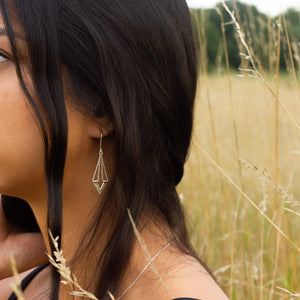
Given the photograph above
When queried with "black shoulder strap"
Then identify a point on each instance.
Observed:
(27, 280)
(186, 299)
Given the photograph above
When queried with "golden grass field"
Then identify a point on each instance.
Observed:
(241, 187)
(248, 255)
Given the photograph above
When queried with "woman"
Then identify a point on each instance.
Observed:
(96, 101)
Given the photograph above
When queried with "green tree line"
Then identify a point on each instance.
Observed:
(261, 33)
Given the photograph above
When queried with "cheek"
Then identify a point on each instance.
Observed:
(21, 147)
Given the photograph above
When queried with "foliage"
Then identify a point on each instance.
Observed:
(260, 30)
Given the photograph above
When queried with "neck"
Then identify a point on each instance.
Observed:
(78, 212)
(74, 230)
(80, 204)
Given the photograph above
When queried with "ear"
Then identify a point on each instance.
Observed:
(97, 126)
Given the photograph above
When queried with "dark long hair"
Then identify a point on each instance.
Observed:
(135, 62)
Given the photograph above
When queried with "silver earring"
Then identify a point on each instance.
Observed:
(100, 171)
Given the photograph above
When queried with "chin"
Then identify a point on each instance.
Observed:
(9, 190)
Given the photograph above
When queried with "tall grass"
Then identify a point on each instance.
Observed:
(241, 184)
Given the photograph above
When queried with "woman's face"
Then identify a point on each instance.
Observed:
(21, 143)
(21, 146)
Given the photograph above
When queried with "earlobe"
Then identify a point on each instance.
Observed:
(100, 126)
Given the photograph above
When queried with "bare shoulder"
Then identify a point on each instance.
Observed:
(7, 283)
(170, 275)
(186, 277)
(5, 287)
(175, 275)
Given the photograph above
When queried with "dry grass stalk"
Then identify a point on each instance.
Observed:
(16, 287)
(147, 254)
(293, 296)
(292, 211)
(60, 263)
(266, 178)
(295, 47)
(255, 70)
(236, 140)
(202, 45)
(231, 94)
(277, 153)
(270, 46)
(247, 197)
(290, 52)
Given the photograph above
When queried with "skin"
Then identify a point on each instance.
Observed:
(22, 175)
(27, 248)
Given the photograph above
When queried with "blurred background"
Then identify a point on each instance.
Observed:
(241, 186)
(270, 7)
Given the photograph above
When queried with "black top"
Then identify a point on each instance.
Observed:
(25, 282)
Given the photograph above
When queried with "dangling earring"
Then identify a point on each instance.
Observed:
(100, 170)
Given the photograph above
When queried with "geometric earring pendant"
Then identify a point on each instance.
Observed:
(100, 170)
(99, 188)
